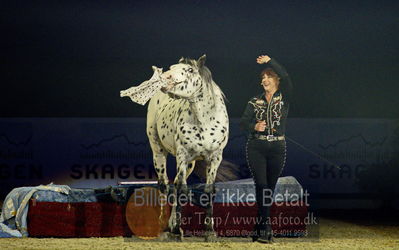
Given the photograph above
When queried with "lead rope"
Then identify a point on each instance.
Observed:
(194, 97)
(313, 153)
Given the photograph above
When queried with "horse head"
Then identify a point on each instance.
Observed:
(187, 78)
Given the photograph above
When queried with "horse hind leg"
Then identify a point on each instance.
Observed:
(191, 167)
(211, 170)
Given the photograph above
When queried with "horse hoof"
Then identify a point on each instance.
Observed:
(168, 236)
(164, 188)
(211, 237)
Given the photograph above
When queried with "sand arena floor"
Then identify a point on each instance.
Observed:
(333, 234)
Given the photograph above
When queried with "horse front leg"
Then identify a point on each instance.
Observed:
(212, 167)
(159, 160)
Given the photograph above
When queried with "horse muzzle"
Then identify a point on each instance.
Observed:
(167, 88)
(170, 85)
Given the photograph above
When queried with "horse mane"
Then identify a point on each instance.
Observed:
(206, 76)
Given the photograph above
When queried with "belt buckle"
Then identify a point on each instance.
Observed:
(270, 138)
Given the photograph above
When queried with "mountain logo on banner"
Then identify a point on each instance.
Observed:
(113, 138)
(5, 138)
(365, 141)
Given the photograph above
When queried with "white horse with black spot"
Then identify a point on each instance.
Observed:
(188, 119)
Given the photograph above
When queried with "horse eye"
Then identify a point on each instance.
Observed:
(190, 70)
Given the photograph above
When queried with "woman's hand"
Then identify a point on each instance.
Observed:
(260, 126)
(263, 59)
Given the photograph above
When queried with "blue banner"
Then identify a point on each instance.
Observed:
(325, 155)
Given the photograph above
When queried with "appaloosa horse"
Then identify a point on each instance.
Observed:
(188, 119)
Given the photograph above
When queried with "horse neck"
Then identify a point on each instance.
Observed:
(207, 107)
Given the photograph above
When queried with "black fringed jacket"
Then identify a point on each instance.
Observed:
(274, 113)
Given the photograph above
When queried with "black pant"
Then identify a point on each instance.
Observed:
(266, 161)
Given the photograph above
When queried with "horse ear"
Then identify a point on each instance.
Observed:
(181, 59)
(201, 61)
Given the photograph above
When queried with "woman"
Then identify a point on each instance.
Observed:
(264, 122)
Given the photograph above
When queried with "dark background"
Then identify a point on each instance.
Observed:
(71, 58)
